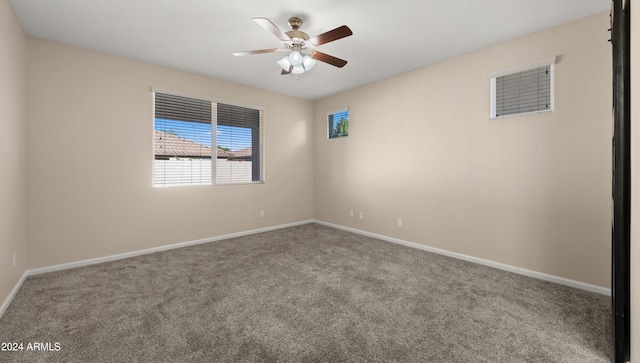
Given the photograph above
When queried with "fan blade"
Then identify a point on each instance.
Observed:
(286, 72)
(249, 52)
(331, 35)
(272, 28)
(329, 59)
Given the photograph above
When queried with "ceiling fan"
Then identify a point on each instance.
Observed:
(302, 56)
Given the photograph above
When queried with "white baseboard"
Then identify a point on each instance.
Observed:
(12, 294)
(121, 256)
(501, 266)
(93, 261)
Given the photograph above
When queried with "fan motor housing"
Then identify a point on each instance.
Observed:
(295, 23)
(297, 34)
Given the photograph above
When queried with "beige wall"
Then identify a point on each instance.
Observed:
(532, 192)
(13, 95)
(635, 183)
(90, 160)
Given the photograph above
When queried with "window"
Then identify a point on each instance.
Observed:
(338, 123)
(183, 140)
(525, 90)
(239, 144)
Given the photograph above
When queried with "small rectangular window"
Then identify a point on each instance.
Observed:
(183, 139)
(338, 123)
(521, 92)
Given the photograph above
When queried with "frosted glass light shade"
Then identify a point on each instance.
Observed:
(308, 62)
(297, 69)
(299, 63)
(284, 63)
(295, 58)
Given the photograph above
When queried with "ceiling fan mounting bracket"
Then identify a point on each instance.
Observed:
(295, 23)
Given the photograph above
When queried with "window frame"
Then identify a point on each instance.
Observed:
(551, 61)
(214, 124)
(334, 112)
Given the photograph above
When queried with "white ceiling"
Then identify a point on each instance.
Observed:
(389, 37)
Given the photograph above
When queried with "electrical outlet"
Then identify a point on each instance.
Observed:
(361, 215)
(14, 259)
(261, 214)
(351, 214)
(399, 222)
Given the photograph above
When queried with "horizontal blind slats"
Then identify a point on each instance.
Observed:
(334, 121)
(182, 141)
(171, 107)
(526, 91)
(239, 129)
(184, 153)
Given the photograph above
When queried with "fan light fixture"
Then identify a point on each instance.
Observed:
(295, 58)
(302, 56)
(296, 63)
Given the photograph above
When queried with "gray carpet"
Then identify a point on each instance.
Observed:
(303, 294)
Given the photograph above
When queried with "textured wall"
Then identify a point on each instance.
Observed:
(13, 172)
(90, 160)
(532, 191)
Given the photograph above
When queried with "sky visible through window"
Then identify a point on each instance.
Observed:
(228, 137)
(339, 116)
(338, 124)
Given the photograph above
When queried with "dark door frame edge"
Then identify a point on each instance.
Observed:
(621, 188)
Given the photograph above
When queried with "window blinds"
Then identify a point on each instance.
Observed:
(523, 92)
(338, 123)
(187, 152)
(178, 108)
(239, 140)
(182, 141)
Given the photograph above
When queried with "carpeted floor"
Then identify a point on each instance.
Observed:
(303, 294)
